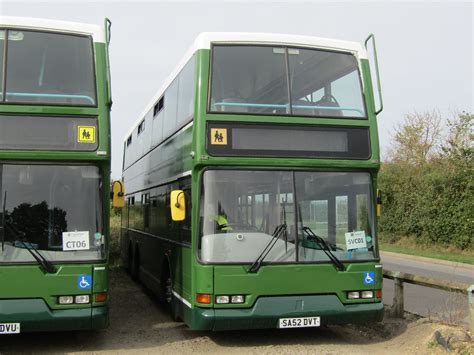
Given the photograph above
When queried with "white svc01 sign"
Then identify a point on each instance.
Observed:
(355, 240)
(76, 241)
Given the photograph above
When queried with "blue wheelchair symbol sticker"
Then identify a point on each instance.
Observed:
(84, 282)
(369, 278)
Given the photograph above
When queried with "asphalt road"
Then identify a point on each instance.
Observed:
(425, 301)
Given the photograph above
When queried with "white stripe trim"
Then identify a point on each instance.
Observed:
(378, 266)
(190, 124)
(175, 294)
(206, 39)
(99, 268)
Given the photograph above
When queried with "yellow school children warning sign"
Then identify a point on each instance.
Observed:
(219, 136)
(86, 134)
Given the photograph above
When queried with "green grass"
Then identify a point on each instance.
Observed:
(433, 252)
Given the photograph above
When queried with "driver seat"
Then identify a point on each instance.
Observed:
(328, 102)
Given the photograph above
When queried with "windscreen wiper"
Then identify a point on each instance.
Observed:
(275, 236)
(324, 247)
(44, 263)
(286, 231)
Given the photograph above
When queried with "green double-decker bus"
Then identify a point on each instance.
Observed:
(54, 175)
(250, 185)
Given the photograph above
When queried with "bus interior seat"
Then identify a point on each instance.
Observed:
(303, 111)
(328, 101)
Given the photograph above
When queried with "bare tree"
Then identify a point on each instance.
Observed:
(418, 138)
(459, 144)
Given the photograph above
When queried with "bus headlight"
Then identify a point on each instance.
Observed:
(222, 299)
(367, 294)
(65, 300)
(237, 299)
(352, 295)
(82, 299)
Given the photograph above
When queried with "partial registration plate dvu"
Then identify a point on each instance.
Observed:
(9, 328)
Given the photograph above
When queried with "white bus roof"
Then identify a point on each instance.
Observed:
(206, 39)
(97, 32)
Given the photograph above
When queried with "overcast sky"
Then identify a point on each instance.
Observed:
(425, 48)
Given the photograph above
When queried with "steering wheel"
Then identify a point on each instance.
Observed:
(330, 98)
(336, 248)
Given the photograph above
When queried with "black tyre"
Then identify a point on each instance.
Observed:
(135, 270)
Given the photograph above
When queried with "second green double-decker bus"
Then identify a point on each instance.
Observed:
(251, 185)
(54, 175)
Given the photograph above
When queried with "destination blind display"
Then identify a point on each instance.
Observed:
(288, 141)
(28, 132)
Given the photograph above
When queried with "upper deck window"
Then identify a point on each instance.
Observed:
(141, 127)
(49, 68)
(266, 80)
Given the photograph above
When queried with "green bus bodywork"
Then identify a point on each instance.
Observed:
(31, 298)
(29, 295)
(164, 255)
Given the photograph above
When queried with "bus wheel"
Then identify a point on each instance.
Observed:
(168, 290)
(173, 305)
(135, 270)
(130, 259)
(166, 295)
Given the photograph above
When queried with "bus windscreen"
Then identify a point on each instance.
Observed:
(54, 208)
(49, 68)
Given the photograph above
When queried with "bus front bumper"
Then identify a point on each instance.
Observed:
(35, 315)
(268, 310)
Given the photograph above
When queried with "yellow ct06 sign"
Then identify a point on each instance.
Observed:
(86, 134)
(219, 136)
